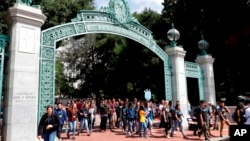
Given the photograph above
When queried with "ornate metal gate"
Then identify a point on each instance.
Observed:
(3, 43)
(114, 19)
(193, 70)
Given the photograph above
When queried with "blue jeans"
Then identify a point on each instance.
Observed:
(142, 125)
(91, 122)
(149, 122)
(178, 124)
(72, 127)
(49, 136)
(84, 123)
(130, 125)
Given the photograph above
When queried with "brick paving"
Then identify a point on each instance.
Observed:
(158, 134)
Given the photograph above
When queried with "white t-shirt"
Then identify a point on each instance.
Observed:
(160, 108)
(247, 113)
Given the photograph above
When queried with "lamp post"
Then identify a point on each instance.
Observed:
(173, 35)
(203, 46)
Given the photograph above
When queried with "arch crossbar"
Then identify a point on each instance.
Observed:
(115, 19)
(193, 70)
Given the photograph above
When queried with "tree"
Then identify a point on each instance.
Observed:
(56, 11)
(61, 82)
(80, 57)
(62, 11)
(225, 25)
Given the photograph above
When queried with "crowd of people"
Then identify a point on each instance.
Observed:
(132, 117)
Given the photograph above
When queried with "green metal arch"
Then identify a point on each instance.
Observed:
(87, 22)
(4, 39)
(193, 70)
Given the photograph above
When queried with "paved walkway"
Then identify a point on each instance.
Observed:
(158, 134)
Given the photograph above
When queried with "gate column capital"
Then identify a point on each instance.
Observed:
(25, 14)
(176, 51)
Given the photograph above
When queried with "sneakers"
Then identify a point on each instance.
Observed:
(185, 137)
(199, 134)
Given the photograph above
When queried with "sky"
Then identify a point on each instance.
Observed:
(136, 5)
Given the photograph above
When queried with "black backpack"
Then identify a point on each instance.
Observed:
(197, 111)
(215, 110)
(239, 115)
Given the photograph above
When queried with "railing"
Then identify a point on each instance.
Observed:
(193, 70)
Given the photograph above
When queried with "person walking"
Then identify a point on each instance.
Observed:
(124, 118)
(177, 119)
(247, 111)
(83, 118)
(62, 116)
(203, 123)
(72, 120)
(149, 117)
(130, 113)
(166, 119)
(142, 122)
(104, 111)
(91, 116)
(48, 125)
(223, 110)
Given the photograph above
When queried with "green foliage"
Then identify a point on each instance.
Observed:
(62, 11)
(62, 86)
(3, 25)
(225, 24)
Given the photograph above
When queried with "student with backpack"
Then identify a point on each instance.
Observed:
(214, 114)
(223, 116)
(239, 114)
(203, 124)
(196, 112)
(62, 116)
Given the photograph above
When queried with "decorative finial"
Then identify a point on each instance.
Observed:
(25, 2)
(203, 45)
(173, 35)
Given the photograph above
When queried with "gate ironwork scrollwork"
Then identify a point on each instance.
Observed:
(114, 19)
(193, 70)
(3, 43)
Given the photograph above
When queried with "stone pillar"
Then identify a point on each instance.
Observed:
(206, 63)
(179, 82)
(22, 79)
